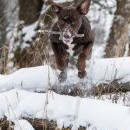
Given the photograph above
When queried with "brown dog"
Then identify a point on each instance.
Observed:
(72, 21)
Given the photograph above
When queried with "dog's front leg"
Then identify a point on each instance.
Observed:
(62, 63)
(81, 64)
(62, 59)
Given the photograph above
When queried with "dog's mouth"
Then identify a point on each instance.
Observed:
(67, 37)
(67, 40)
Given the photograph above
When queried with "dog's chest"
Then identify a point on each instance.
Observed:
(70, 49)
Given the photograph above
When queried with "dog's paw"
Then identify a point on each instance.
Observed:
(82, 74)
(62, 76)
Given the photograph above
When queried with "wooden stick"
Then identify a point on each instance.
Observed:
(58, 33)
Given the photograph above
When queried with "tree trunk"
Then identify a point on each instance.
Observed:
(129, 42)
(118, 37)
(2, 22)
(29, 10)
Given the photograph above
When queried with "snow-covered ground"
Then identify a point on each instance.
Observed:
(120, 98)
(22, 125)
(65, 110)
(17, 99)
(43, 77)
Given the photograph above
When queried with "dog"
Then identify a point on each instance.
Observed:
(71, 21)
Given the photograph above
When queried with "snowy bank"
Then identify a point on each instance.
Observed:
(65, 110)
(35, 78)
(43, 77)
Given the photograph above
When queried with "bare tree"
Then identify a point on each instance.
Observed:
(119, 36)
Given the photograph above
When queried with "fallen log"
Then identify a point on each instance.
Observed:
(112, 87)
(96, 90)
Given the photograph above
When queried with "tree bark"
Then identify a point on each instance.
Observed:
(3, 22)
(29, 10)
(118, 37)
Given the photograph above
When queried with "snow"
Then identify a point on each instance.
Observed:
(103, 70)
(22, 125)
(29, 32)
(44, 77)
(35, 78)
(101, 20)
(120, 98)
(18, 103)
(66, 110)
(126, 50)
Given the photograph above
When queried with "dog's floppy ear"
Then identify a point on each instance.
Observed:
(83, 7)
(56, 8)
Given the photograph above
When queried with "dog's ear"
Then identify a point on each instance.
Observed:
(83, 7)
(56, 8)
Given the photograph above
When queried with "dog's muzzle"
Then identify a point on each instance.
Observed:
(67, 37)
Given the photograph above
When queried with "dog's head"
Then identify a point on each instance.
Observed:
(69, 19)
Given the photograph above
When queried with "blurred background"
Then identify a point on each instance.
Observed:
(22, 45)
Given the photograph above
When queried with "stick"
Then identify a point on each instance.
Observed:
(58, 33)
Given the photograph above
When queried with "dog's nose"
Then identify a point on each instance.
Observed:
(66, 36)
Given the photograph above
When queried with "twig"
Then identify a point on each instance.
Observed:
(58, 33)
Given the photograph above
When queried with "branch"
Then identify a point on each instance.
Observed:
(58, 33)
